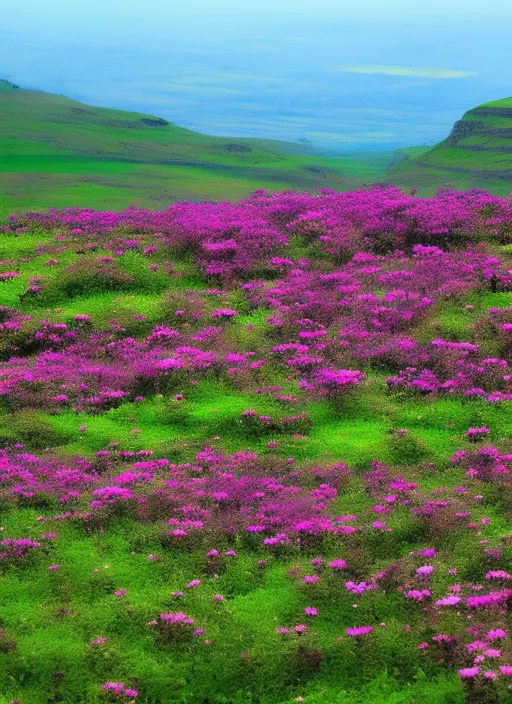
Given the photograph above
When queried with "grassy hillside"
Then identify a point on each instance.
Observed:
(476, 154)
(59, 152)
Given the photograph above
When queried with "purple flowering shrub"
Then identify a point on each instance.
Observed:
(258, 451)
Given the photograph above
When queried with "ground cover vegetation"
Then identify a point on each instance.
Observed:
(258, 452)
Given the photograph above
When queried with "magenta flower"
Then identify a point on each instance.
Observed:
(224, 313)
(496, 634)
(492, 653)
(114, 687)
(498, 574)
(179, 532)
(359, 631)
(98, 641)
(310, 578)
(429, 552)
(6, 275)
(338, 564)
(475, 434)
(417, 594)
(177, 617)
(469, 672)
(448, 601)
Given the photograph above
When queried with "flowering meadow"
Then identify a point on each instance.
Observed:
(258, 452)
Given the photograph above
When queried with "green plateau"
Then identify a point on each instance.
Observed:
(476, 154)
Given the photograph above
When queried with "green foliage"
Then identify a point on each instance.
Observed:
(86, 276)
(405, 448)
(32, 429)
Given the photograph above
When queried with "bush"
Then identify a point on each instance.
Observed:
(405, 448)
(85, 276)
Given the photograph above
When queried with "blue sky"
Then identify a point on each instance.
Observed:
(339, 8)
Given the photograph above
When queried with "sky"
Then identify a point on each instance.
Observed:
(345, 8)
(342, 74)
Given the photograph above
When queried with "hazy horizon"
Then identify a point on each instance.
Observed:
(363, 77)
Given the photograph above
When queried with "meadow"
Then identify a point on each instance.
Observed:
(58, 152)
(258, 452)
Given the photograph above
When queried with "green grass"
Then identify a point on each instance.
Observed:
(451, 157)
(477, 154)
(428, 179)
(57, 152)
(52, 616)
(503, 103)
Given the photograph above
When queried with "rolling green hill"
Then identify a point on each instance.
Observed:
(476, 154)
(58, 152)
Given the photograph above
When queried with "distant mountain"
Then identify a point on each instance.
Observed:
(476, 154)
(58, 152)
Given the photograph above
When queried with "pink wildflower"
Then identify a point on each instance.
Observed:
(469, 672)
(359, 631)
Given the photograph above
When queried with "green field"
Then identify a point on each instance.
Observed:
(477, 154)
(57, 152)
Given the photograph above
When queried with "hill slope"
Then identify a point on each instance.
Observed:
(59, 152)
(476, 154)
